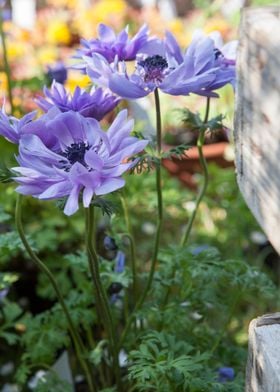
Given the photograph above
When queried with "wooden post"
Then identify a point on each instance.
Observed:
(257, 119)
(263, 365)
(257, 146)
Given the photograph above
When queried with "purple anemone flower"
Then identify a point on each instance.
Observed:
(96, 104)
(57, 72)
(3, 294)
(84, 160)
(120, 262)
(13, 128)
(225, 374)
(225, 61)
(200, 70)
(110, 45)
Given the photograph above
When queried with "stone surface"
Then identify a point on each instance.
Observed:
(257, 117)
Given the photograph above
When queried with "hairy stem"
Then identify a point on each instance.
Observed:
(159, 224)
(101, 296)
(6, 63)
(131, 242)
(203, 163)
(78, 344)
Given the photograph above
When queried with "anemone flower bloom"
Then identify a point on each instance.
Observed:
(13, 128)
(225, 61)
(110, 45)
(57, 72)
(96, 104)
(85, 159)
(200, 70)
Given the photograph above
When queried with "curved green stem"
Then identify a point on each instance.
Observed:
(203, 163)
(101, 295)
(159, 224)
(6, 63)
(131, 242)
(78, 344)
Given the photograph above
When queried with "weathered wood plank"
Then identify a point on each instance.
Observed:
(263, 366)
(257, 119)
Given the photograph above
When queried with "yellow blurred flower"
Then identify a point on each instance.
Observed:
(17, 101)
(105, 11)
(177, 27)
(58, 33)
(15, 50)
(217, 24)
(63, 3)
(47, 55)
(104, 8)
(75, 79)
(3, 83)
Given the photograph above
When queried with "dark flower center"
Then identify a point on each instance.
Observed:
(217, 53)
(76, 153)
(221, 58)
(154, 68)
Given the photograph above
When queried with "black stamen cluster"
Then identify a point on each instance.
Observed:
(154, 62)
(217, 53)
(76, 153)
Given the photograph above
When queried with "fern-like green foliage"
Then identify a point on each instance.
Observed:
(10, 316)
(45, 334)
(164, 364)
(194, 121)
(204, 292)
(177, 152)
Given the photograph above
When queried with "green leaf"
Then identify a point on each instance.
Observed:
(97, 354)
(7, 279)
(5, 175)
(10, 337)
(107, 206)
(177, 152)
(194, 122)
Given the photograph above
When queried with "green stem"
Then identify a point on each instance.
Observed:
(78, 344)
(203, 163)
(230, 315)
(159, 223)
(101, 296)
(6, 63)
(131, 242)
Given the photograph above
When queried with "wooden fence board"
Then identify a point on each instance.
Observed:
(257, 118)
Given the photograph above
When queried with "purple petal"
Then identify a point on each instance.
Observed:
(93, 160)
(173, 48)
(32, 144)
(72, 204)
(56, 191)
(125, 88)
(106, 34)
(87, 196)
(110, 185)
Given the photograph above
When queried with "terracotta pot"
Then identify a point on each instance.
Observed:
(188, 165)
